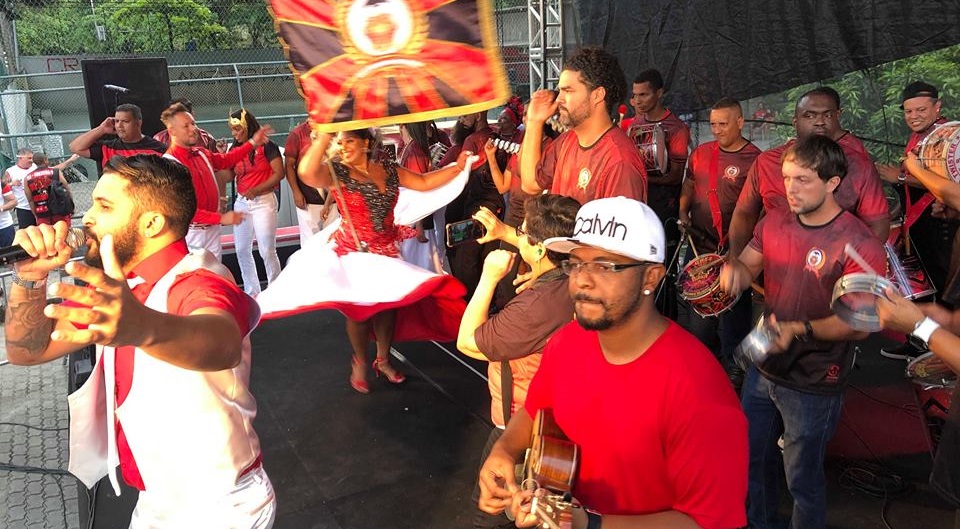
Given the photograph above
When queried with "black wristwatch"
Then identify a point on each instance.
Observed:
(807, 332)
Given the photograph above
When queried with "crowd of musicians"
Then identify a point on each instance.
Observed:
(613, 275)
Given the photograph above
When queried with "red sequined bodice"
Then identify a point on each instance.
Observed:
(369, 211)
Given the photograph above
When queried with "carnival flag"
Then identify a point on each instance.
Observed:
(361, 63)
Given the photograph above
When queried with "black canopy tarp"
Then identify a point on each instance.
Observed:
(709, 49)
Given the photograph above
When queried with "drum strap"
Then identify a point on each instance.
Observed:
(917, 208)
(714, 196)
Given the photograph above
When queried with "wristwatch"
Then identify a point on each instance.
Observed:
(28, 284)
(924, 330)
(807, 332)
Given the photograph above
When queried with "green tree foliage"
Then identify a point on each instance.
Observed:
(50, 27)
(871, 98)
(162, 25)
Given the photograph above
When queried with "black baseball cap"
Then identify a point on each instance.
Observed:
(919, 89)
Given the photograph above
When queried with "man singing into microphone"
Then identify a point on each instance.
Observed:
(126, 123)
(173, 352)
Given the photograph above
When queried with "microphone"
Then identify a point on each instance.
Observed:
(623, 111)
(116, 88)
(76, 237)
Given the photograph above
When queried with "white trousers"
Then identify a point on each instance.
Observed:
(207, 237)
(251, 505)
(309, 220)
(430, 255)
(260, 221)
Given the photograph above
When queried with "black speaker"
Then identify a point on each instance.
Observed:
(112, 82)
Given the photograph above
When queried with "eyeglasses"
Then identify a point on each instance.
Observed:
(595, 267)
(520, 231)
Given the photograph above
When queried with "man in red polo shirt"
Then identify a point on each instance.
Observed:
(715, 177)
(126, 124)
(168, 400)
(184, 147)
(861, 193)
(593, 158)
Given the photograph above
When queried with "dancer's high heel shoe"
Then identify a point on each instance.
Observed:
(396, 378)
(358, 384)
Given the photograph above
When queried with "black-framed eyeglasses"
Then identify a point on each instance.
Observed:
(603, 267)
(520, 231)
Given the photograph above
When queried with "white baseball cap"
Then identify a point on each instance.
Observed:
(618, 225)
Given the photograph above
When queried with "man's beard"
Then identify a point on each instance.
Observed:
(572, 119)
(126, 244)
(606, 321)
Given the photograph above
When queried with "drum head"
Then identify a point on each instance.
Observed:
(940, 150)
(652, 145)
(699, 285)
(929, 370)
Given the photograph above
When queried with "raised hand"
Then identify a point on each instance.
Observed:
(111, 313)
(262, 136)
(495, 229)
(543, 104)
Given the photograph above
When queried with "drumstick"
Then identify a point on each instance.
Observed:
(853, 254)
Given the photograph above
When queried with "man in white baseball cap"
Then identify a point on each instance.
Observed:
(619, 381)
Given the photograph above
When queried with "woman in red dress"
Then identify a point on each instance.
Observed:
(363, 276)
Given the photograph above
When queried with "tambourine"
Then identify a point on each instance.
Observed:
(651, 141)
(699, 285)
(940, 150)
(855, 300)
(756, 345)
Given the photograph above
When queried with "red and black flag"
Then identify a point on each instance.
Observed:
(361, 63)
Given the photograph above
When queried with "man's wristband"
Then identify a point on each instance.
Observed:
(28, 284)
(924, 330)
(807, 332)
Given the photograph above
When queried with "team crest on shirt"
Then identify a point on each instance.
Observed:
(731, 172)
(815, 260)
(584, 178)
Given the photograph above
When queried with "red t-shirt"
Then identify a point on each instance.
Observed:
(251, 174)
(731, 169)
(104, 149)
(200, 289)
(413, 158)
(610, 167)
(298, 141)
(516, 206)
(860, 192)
(204, 181)
(663, 432)
(801, 264)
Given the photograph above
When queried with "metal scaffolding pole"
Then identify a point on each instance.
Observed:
(545, 24)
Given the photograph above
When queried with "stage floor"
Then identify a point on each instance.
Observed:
(406, 456)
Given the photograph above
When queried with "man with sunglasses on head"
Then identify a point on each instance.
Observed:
(663, 441)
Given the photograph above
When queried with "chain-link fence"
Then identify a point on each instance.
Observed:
(221, 55)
